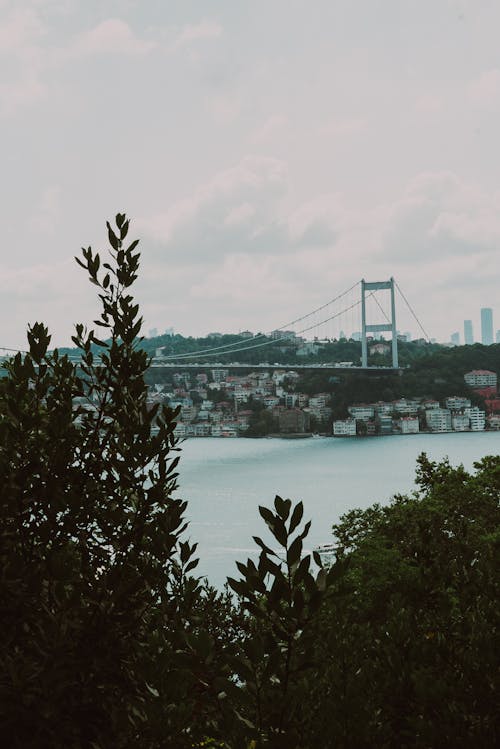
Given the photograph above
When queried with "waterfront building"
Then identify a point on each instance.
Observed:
(344, 428)
(460, 422)
(477, 419)
(438, 419)
(468, 334)
(409, 425)
(457, 402)
(494, 422)
(291, 420)
(202, 430)
(384, 424)
(180, 429)
(487, 326)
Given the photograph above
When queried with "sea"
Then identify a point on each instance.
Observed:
(225, 480)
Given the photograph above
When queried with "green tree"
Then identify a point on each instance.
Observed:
(409, 642)
(90, 528)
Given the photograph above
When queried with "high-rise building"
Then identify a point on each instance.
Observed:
(468, 334)
(487, 326)
(498, 336)
(455, 339)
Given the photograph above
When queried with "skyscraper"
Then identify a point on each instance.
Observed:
(468, 334)
(487, 326)
(455, 339)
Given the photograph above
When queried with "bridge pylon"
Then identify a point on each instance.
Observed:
(379, 327)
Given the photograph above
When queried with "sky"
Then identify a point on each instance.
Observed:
(269, 153)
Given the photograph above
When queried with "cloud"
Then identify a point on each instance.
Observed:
(112, 36)
(21, 29)
(273, 127)
(237, 210)
(484, 91)
(196, 32)
(439, 213)
(21, 33)
(48, 211)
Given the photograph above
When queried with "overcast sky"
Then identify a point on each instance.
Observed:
(270, 153)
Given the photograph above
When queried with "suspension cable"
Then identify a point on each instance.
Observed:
(284, 338)
(215, 349)
(413, 313)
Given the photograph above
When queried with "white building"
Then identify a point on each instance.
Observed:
(180, 429)
(219, 375)
(494, 422)
(460, 422)
(438, 419)
(402, 406)
(344, 428)
(477, 419)
(457, 403)
(360, 411)
(319, 401)
(409, 425)
(480, 378)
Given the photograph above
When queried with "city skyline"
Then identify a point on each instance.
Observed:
(268, 155)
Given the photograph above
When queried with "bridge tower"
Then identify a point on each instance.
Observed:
(374, 286)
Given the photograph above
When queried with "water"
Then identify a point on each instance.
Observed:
(224, 481)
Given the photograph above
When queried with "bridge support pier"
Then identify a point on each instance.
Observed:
(375, 286)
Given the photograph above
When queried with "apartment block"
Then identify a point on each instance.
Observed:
(344, 428)
(477, 419)
(480, 378)
(438, 419)
(409, 425)
(457, 403)
(359, 411)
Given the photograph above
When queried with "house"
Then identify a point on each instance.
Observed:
(291, 420)
(481, 378)
(477, 419)
(409, 425)
(460, 422)
(438, 419)
(359, 411)
(457, 403)
(344, 428)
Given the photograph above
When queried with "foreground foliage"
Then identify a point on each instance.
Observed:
(109, 639)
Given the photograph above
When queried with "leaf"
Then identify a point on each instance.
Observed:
(152, 690)
(298, 512)
(282, 507)
(263, 546)
(113, 239)
(294, 552)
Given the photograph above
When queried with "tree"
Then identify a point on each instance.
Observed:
(90, 579)
(410, 638)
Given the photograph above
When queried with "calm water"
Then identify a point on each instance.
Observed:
(224, 481)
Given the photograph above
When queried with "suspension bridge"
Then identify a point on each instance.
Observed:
(367, 308)
(359, 308)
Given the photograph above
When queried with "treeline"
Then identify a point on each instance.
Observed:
(110, 640)
(436, 375)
